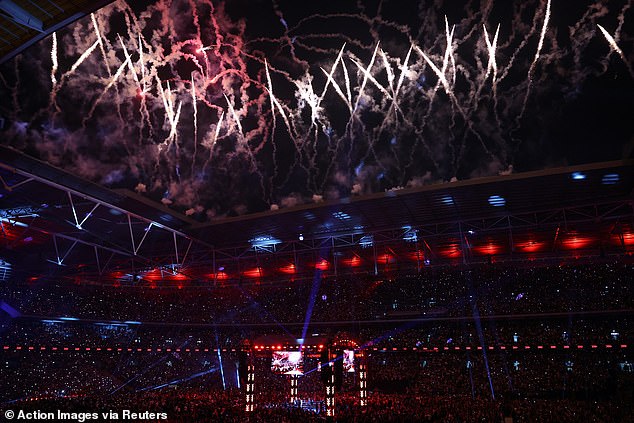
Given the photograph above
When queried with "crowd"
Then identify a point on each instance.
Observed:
(562, 332)
(445, 380)
(487, 290)
(228, 406)
(103, 348)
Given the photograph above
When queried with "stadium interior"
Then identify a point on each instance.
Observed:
(499, 298)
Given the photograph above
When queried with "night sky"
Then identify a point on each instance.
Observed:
(418, 94)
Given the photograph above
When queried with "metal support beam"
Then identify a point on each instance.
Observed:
(97, 259)
(182, 263)
(376, 268)
(107, 263)
(14, 186)
(175, 248)
(147, 231)
(93, 199)
(21, 16)
(60, 260)
(88, 215)
(131, 234)
(511, 243)
(334, 257)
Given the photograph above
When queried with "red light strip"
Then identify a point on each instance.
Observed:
(277, 347)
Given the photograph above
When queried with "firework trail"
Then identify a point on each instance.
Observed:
(172, 116)
(443, 79)
(54, 60)
(195, 125)
(401, 78)
(274, 103)
(366, 74)
(491, 47)
(57, 86)
(112, 82)
(384, 126)
(212, 142)
(142, 65)
(616, 48)
(531, 70)
(388, 70)
(419, 140)
(81, 59)
(492, 69)
(540, 44)
(621, 19)
(449, 53)
(101, 46)
(146, 120)
(235, 116)
(337, 89)
(330, 80)
(347, 80)
(128, 60)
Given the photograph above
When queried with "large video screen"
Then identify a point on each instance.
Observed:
(348, 361)
(288, 362)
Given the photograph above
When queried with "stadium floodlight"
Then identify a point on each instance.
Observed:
(447, 200)
(264, 243)
(497, 201)
(5, 270)
(341, 216)
(366, 241)
(410, 234)
(610, 179)
(578, 176)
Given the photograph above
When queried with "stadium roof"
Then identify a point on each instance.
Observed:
(56, 223)
(51, 218)
(24, 22)
(438, 204)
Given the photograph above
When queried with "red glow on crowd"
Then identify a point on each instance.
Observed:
(628, 239)
(354, 261)
(289, 269)
(530, 246)
(179, 276)
(221, 276)
(575, 241)
(416, 256)
(322, 265)
(10, 233)
(386, 259)
(450, 251)
(488, 249)
(117, 275)
(256, 272)
(153, 275)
